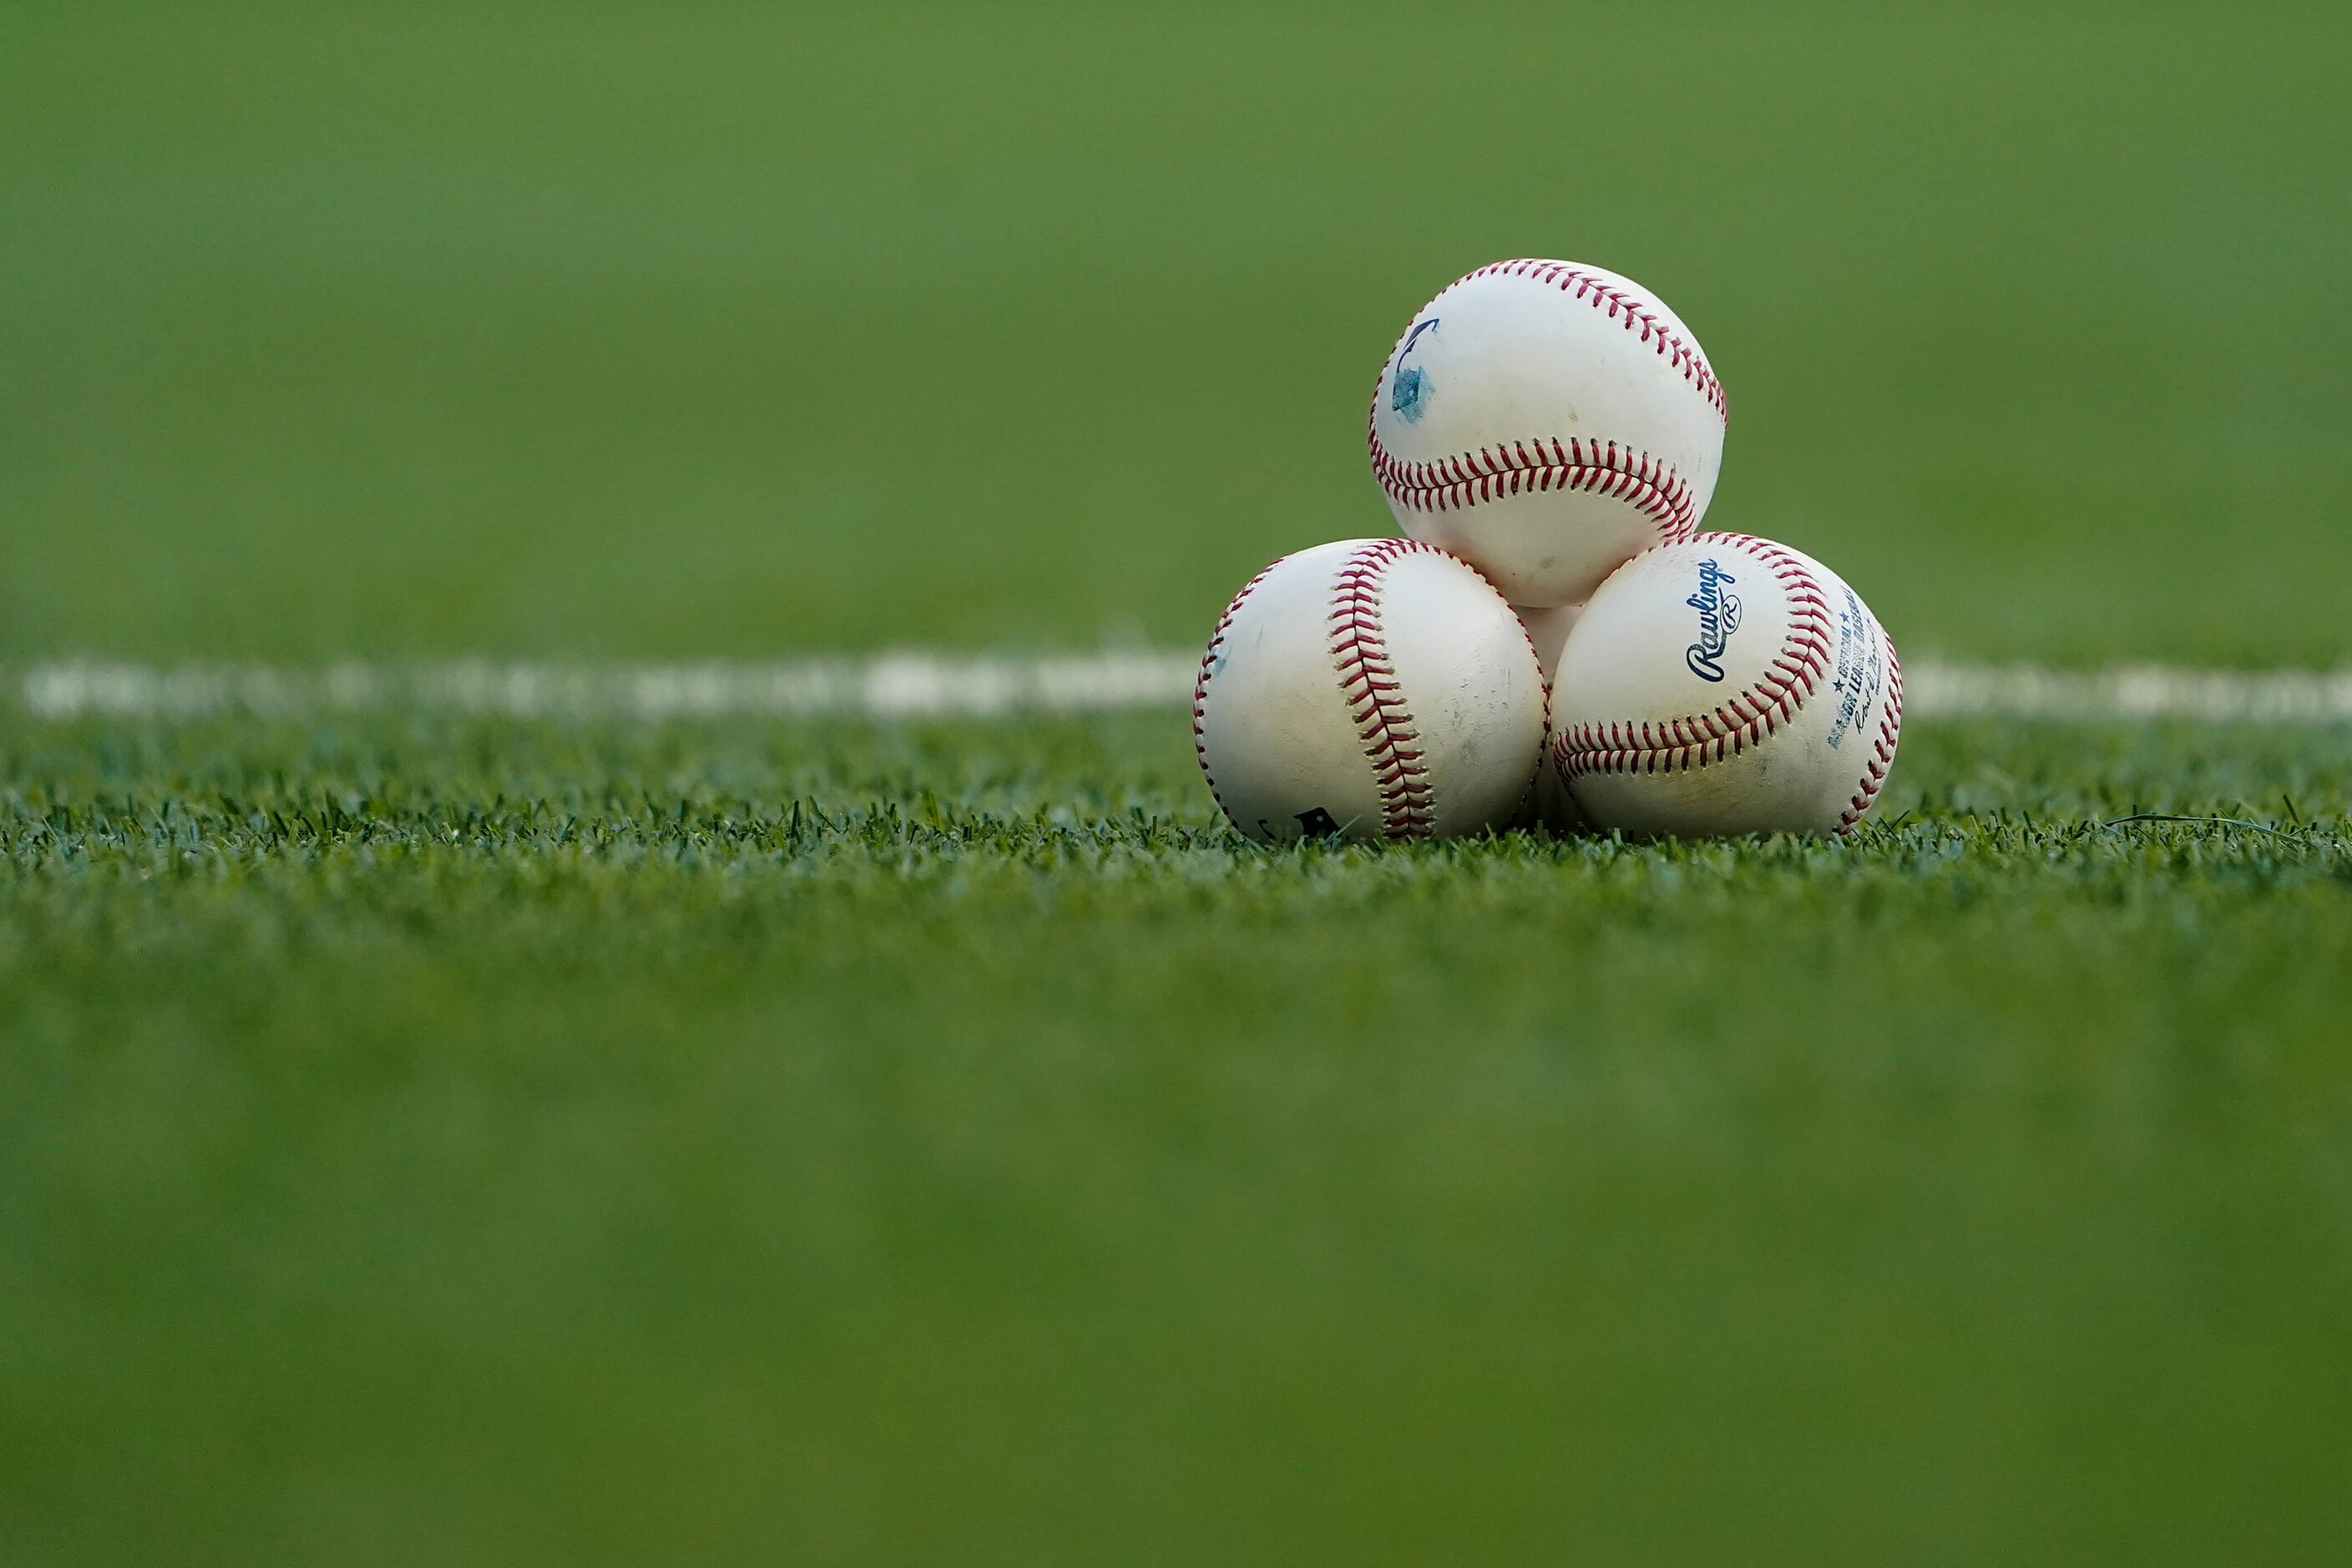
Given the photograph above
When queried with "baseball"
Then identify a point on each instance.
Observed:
(1546, 421)
(1372, 689)
(1721, 685)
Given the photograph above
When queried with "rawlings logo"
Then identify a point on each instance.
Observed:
(1718, 617)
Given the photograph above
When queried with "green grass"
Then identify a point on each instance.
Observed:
(430, 1140)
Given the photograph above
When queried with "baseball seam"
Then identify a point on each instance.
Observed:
(1672, 745)
(1201, 689)
(1882, 754)
(1648, 484)
(1375, 698)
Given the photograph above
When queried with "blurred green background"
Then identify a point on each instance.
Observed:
(675, 331)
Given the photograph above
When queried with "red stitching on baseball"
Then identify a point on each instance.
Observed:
(1648, 484)
(1201, 687)
(1368, 680)
(1741, 721)
(1882, 757)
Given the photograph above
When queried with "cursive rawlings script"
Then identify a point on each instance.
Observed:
(1718, 617)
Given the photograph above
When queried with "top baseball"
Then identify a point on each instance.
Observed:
(1546, 421)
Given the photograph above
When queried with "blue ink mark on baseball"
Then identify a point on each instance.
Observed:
(1410, 388)
(1409, 394)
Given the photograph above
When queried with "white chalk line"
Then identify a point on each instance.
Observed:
(934, 685)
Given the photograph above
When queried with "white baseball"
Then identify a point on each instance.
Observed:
(1545, 421)
(1371, 688)
(1723, 685)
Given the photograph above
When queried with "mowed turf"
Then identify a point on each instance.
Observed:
(428, 1140)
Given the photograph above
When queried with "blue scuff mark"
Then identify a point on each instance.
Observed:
(1410, 388)
(1409, 394)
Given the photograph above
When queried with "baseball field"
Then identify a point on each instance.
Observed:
(436, 1132)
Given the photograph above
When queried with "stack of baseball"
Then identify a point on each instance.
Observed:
(1554, 640)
